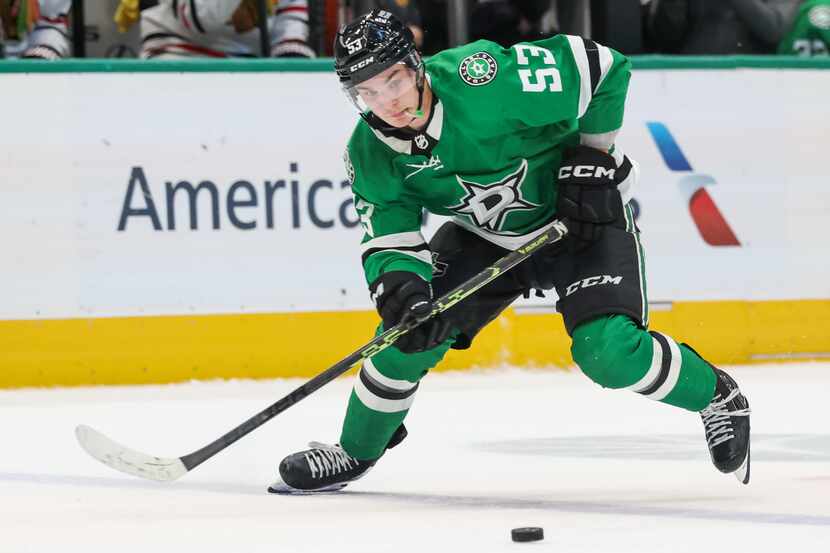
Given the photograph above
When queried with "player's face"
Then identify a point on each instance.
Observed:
(392, 95)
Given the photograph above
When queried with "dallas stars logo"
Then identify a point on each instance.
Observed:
(478, 69)
(487, 205)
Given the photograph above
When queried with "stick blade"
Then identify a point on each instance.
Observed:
(127, 460)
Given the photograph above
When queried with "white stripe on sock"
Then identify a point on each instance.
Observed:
(653, 371)
(375, 374)
(674, 372)
(376, 403)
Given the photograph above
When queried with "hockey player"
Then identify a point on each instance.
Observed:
(810, 32)
(223, 28)
(504, 140)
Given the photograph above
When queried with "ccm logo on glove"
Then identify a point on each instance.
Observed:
(588, 196)
(586, 171)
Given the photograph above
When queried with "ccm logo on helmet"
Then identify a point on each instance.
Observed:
(361, 64)
(581, 171)
(598, 280)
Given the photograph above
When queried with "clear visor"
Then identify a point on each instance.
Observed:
(390, 92)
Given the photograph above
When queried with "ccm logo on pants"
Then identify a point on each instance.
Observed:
(598, 280)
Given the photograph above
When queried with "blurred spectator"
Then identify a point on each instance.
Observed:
(35, 29)
(809, 34)
(524, 20)
(175, 29)
(570, 17)
(618, 24)
(507, 22)
(408, 12)
(705, 27)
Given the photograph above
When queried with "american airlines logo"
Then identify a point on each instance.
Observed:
(708, 218)
(176, 204)
(599, 280)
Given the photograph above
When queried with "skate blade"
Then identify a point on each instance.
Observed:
(281, 488)
(742, 474)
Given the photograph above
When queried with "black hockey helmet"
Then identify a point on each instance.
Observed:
(370, 44)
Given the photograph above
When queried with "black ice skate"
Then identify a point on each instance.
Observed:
(322, 468)
(726, 422)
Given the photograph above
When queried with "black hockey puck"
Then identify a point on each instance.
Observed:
(529, 533)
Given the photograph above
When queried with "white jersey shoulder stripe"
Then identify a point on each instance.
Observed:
(606, 60)
(581, 59)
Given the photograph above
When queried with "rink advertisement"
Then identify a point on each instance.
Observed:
(197, 225)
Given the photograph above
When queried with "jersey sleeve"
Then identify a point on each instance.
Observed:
(290, 30)
(392, 239)
(565, 78)
(205, 16)
(49, 38)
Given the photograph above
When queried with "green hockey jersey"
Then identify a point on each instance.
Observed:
(810, 33)
(489, 153)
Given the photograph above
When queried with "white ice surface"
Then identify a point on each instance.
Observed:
(600, 471)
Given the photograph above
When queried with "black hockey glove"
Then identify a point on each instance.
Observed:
(588, 195)
(402, 296)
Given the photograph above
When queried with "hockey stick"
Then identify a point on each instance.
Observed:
(164, 469)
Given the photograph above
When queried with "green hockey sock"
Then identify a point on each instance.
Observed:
(383, 393)
(615, 352)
